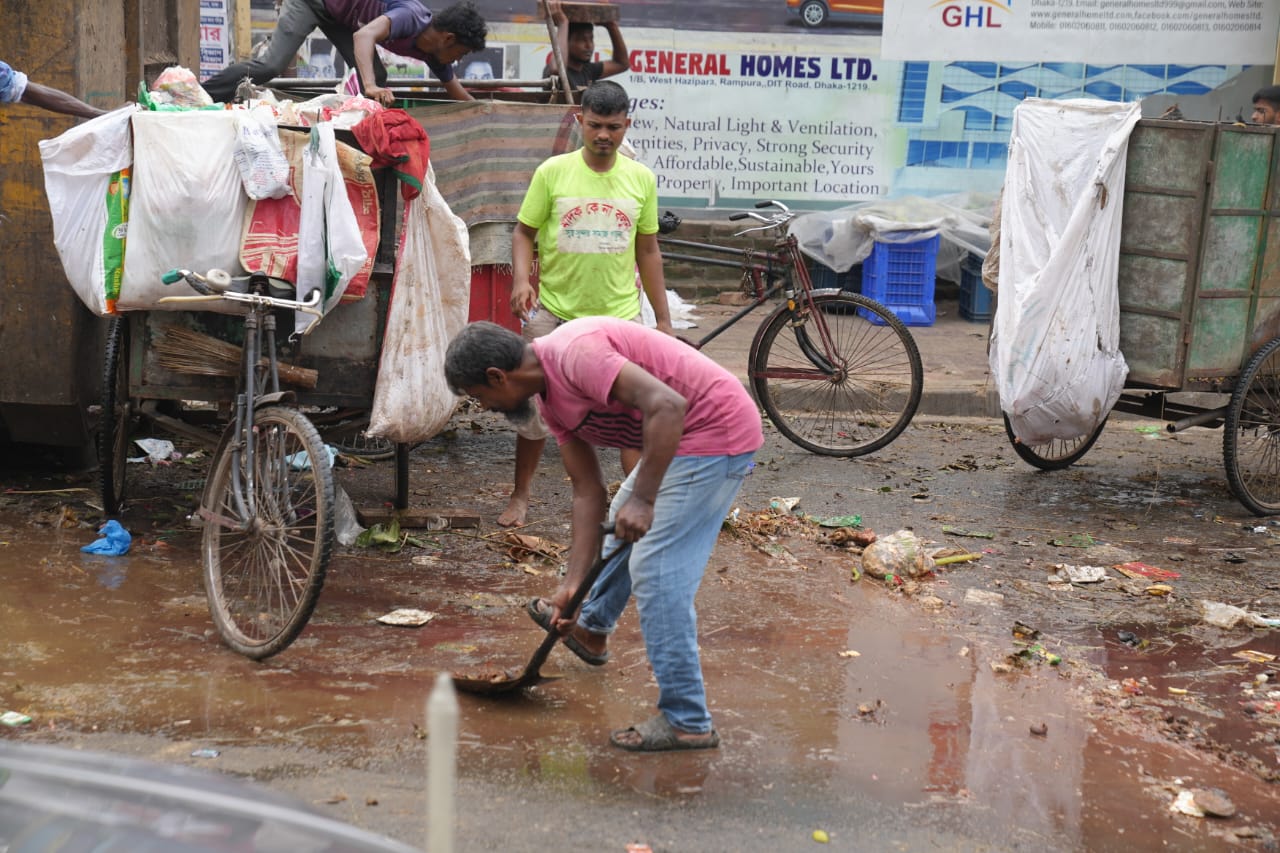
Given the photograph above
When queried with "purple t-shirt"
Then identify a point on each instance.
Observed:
(582, 358)
(408, 18)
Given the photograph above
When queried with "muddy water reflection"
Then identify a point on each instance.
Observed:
(811, 737)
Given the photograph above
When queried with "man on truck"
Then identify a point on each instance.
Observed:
(356, 27)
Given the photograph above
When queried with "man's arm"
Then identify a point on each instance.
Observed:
(589, 506)
(457, 91)
(649, 260)
(366, 41)
(561, 44)
(620, 61)
(522, 292)
(58, 101)
(662, 410)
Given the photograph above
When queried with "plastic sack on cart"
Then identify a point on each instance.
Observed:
(186, 207)
(264, 170)
(87, 180)
(270, 242)
(430, 298)
(1055, 343)
(330, 246)
(841, 238)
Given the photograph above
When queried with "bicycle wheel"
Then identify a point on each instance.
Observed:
(1056, 454)
(1251, 434)
(116, 419)
(263, 574)
(851, 400)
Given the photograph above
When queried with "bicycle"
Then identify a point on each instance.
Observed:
(267, 509)
(837, 373)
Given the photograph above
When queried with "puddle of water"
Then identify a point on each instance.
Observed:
(916, 718)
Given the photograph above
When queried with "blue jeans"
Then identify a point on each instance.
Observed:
(663, 570)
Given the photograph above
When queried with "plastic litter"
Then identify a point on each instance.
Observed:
(115, 541)
(407, 617)
(205, 753)
(300, 461)
(899, 554)
(13, 718)
(983, 597)
(1079, 574)
(345, 526)
(1229, 616)
(158, 450)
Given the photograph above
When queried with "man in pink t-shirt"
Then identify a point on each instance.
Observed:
(605, 382)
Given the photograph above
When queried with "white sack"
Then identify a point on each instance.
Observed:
(187, 207)
(1055, 342)
(430, 298)
(81, 171)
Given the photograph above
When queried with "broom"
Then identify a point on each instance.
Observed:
(187, 351)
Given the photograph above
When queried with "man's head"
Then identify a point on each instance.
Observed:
(1266, 105)
(604, 118)
(582, 42)
(480, 362)
(454, 33)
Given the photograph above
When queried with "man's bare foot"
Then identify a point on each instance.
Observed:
(514, 514)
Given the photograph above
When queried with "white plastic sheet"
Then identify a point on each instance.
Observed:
(187, 205)
(429, 301)
(1055, 343)
(87, 181)
(841, 238)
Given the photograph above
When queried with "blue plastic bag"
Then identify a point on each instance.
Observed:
(115, 541)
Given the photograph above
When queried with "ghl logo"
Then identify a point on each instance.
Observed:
(975, 13)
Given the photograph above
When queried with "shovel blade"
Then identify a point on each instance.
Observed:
(499, 683)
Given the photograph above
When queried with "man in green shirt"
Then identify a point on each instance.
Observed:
(593, 217)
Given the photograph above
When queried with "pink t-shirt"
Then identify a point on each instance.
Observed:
(581, 360)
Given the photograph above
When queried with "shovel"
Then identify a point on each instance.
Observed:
(509, 682)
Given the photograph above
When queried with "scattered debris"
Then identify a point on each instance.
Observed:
(205, 753)
(525, 547)
(114, 541)
(821, 836)
(900, 554)
(1040, 729)
(1023, 631)
(983, 597)
(960, 531)
(407, 617)
(850, 653)
(1253, 656)
(1078, 574)
(14, 719)
(1075, 540)
(841, 521)
(1142, 570)
(1159, 589)
(1228, 616)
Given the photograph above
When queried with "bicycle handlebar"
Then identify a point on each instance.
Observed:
(216, 284)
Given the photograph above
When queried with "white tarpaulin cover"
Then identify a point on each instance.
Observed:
(1055, 343)
(841, 238)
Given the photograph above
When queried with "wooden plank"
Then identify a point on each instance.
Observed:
(418, 518)
(586, 13)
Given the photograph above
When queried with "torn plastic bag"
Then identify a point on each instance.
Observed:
(430, 298)
(1055, 343)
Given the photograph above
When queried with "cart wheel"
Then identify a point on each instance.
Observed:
(370, 447)
(1251, 437)
(1056, 454)
(116, 419)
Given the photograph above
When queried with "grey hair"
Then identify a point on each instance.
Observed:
(478, 347)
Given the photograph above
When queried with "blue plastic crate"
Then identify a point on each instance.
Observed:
(975, 298)
(901, 277)
(825, 278)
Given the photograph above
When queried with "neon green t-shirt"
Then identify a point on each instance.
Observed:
(587, 224)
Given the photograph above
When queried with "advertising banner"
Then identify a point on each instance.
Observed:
(215, 37)
(1099, 31)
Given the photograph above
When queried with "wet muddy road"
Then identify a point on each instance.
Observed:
(888, 717)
